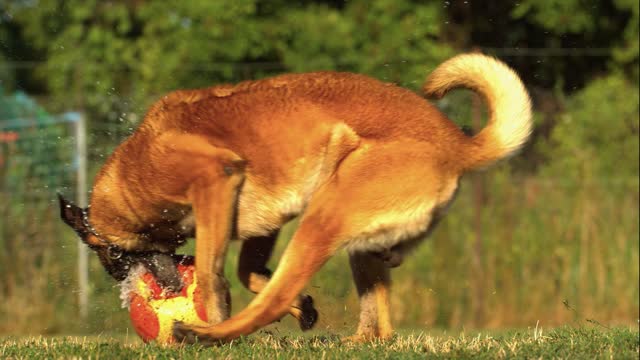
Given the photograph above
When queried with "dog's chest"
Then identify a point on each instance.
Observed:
(261, 209)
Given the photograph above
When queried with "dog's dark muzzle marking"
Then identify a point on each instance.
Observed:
(116, 260)
(118, 263)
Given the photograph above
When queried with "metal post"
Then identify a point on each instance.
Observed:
(81, 199)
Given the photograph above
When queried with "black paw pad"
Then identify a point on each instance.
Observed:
(309, 313)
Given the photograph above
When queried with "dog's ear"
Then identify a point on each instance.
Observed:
(72, 215)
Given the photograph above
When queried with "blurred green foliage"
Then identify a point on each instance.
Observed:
(96, 48)
(99, 50)
(597, 134)
(588, 20)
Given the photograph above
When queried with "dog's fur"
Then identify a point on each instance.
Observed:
(369, 166)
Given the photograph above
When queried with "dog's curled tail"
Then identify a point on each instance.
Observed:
(509, 106)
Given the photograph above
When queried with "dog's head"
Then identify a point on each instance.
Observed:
(116, 260)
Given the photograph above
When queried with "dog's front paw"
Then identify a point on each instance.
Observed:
(309, 314)
(184, 334)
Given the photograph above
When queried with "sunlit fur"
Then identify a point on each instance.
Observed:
(509, 104)
(367, 165)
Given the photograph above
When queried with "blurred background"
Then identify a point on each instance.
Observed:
(549, 237)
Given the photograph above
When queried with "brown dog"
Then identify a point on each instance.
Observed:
(370, 167)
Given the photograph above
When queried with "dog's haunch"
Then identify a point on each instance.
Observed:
(153, 310)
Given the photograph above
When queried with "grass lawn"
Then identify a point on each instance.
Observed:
(566, 343)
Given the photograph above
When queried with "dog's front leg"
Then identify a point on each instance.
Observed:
(213, 198)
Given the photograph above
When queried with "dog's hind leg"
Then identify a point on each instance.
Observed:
(254, 274)
(372, 278)
(315, 241)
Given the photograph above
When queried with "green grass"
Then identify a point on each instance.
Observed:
(566, 343)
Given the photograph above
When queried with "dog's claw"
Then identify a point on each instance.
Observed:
(309, 313)
(181, 334)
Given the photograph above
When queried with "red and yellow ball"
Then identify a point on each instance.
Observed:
(153, 310)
